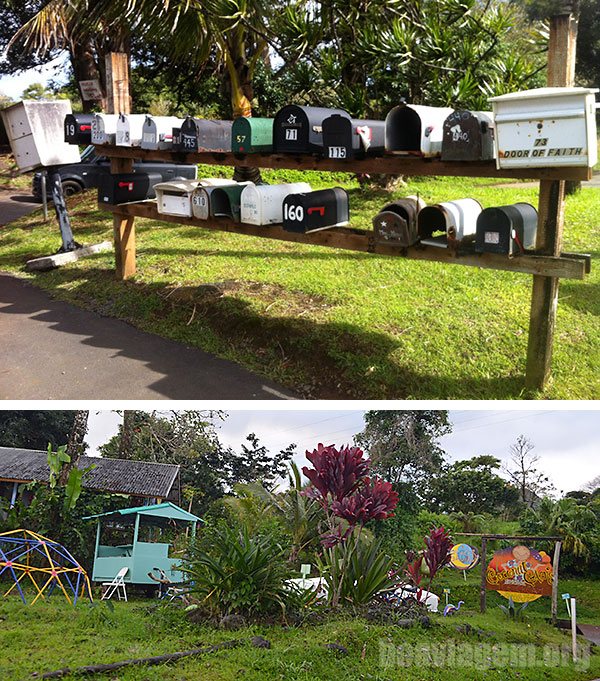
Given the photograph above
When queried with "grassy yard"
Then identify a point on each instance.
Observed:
(53, 635)
(331, 323)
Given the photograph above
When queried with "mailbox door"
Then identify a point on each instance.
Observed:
(316, 210)
(468, 136)
(127, 187)
(78, 128)
(494, 228)
(149, 134)
(407, 209)
(174, 203)
(188, 136)
(252, 135)
(339, 141)
(392, 229)
(290, 130)
(200, 203)
(104, 128)
(129, 130)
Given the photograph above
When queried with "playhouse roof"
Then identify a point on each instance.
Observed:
(166, 510)
(119, 476)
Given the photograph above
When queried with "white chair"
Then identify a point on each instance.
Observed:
(117, 585)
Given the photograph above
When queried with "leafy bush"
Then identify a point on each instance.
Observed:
(239, 574)
(366, 571)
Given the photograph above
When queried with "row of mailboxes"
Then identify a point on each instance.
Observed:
(505, 229)
(127, 187)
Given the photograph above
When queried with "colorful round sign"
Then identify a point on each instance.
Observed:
(463, 556)
(520, 573)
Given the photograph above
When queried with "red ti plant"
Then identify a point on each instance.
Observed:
(336, 473)
(436, 555)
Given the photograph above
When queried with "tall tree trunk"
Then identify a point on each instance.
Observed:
(85, 67)
(76, 444)
(125, 441)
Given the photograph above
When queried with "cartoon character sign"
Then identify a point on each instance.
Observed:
(463, 556)
(520, 573)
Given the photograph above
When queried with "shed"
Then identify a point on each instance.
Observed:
(149, 548)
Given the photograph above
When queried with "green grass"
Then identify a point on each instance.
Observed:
(331, 323)
(53, 635)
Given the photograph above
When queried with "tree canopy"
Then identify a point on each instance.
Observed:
(35, 429)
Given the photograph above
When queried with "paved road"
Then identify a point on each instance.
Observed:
(54, 350)
(14, 204)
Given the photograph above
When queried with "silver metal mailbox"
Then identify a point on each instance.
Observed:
(456, 220)
(35, 132)
(262, 204)
(415, 129)
(200, 196)
(550, 126)
(157, 131)
(214, 135)
(507, 229)
(129, 130)
(175, 197)
(104, 128)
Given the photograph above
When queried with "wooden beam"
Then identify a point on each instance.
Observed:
(123, 228)
(390, 164)
(48, 262)
(551, 206)
(571, 267)
(117, 82)
(482, 588)
(506, 536)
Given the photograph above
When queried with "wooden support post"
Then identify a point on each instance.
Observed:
(544, 297)
(483, 560)
(117, 82)
(555, 561)
(123, 229)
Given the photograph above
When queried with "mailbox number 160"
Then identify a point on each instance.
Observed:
(293, 213)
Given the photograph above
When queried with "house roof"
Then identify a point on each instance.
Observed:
(119, 476)
(164, 510)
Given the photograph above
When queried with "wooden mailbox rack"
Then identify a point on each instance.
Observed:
(547, 266)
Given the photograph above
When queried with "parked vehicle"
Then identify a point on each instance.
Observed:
(86, 174)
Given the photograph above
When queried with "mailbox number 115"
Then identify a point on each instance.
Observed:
(337, 152)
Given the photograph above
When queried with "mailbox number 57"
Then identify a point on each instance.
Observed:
(293, 213)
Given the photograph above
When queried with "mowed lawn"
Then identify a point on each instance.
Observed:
(53, 635)
(331, 323)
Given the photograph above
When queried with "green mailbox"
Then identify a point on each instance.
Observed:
(252, 135)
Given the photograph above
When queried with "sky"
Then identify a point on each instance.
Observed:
(13, 86)
(567, 441)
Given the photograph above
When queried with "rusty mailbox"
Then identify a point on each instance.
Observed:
(78, 128)
(449, 224)
(414, 129)
(313, 211)
(127, 187)
(345, 137)
(396, 223)
(468, 136)
(299, 129)
(507, 229)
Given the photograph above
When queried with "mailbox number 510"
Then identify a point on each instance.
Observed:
(293, 213)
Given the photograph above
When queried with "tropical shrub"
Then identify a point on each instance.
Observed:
(240, 574)
(434, 556)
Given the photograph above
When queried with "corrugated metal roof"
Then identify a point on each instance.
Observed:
(120, 476)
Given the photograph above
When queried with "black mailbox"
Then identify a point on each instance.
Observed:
(176, 139)
(187, 139)
(468, 136)
(312, 211)
(396, 223)
(506, 229)
(127, 187)
(345, 137)
(225, 201)
(78, 128)
(298, 129)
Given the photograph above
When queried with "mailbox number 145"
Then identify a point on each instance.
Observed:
(293, 213)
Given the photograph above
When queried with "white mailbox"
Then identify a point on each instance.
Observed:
(129, 130)
(415, 129)
(104, 128)
(175, 197)
(550, 126)
(262, 204)
(200, 198)
(36, 135)
(157, 131)
(456, 220)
